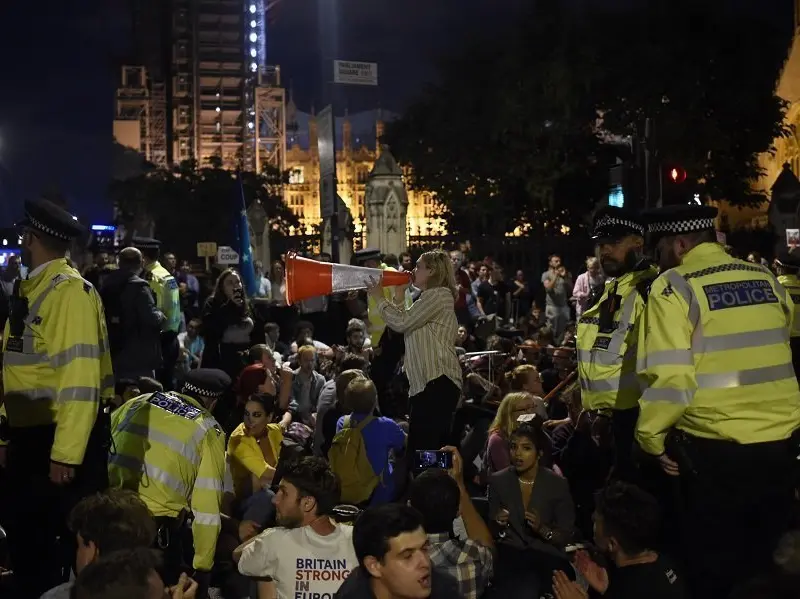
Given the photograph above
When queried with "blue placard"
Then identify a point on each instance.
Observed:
(738, 294)
(174, 405)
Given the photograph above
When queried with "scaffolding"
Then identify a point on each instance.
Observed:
(157, 133)
(270, 120)
(133, 106)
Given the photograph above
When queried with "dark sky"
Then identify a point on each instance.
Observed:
(57, 60)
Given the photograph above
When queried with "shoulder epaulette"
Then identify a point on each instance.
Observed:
(643, 287)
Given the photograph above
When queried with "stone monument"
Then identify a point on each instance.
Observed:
(345, 233)
(387, 206)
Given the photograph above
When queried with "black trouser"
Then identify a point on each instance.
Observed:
(431, 417)
(170, 351)
(736, 502)
(794, 343)
(42, 549)
(623, 425)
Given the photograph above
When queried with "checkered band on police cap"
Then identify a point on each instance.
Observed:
(676, 227)
(200, 391)
(40, 226)
(608, 220)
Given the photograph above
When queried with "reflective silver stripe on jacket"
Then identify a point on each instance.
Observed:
(149, 472)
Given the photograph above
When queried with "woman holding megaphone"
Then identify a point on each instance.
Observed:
(430, 329)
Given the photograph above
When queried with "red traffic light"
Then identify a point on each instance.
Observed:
(677, 174)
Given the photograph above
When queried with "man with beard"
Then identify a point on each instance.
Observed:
(308, 554)
(721, 401)
(58, 380)
(607, 330)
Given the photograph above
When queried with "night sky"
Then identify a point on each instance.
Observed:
(59, 71)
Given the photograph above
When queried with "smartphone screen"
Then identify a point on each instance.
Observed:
(428, 458)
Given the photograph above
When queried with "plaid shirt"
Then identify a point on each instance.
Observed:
(469, 562)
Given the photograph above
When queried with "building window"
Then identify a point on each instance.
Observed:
(183, 115)
(296, 176)
(361, 175)
(183, 84)
(181, 51)
(427, 200)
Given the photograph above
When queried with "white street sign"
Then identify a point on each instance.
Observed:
(226, 255)
(355, 73)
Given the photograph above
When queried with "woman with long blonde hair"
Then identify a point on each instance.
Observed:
(430, 329)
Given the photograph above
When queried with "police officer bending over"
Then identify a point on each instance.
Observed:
(722, 400)
(57, 376)
(608, 329)
(169, 449)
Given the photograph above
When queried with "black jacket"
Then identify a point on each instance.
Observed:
(134, 325)
(443, 586)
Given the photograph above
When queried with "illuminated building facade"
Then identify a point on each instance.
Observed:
(357, 150)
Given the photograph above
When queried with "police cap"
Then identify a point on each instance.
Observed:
(679, 220)
(209, 383)
(45, 217)
(612, 222)
(367, 254)
(145, 243)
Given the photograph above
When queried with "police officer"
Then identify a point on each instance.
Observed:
(787, 265)
(721, 400)
(168, 448)
(607, 330)
(165, 288)
(57, 376)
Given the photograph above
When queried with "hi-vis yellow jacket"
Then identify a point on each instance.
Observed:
(57, 366)
(714, 353)
(170, 450)
(792, 285)
(607, 351)
(168, 300)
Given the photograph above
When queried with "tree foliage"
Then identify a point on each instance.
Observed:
(512, 133)
(194, 204)
(705, 74)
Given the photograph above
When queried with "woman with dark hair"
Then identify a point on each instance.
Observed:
(533, 516)
(227, 325)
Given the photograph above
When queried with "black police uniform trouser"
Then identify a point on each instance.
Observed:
(41, 547)
(174, 540)
(170, 351)
(736, 503)
(623, 425)
(794, 343)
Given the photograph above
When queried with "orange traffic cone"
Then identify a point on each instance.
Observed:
(308, 278)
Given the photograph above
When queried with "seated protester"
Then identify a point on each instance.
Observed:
(128, 574)
(356, 336)
(272, 334)
(393, 560)
(253, 451)
(441, 497)
(304, 335)
(306, 386)
(257, 379)
(357, 322)
(534, 517)
(104, 523)
(514, 405)
(379, 436)
(307, 550)
(527, 378)
(331, 399)
(262, 354)
(626, 525)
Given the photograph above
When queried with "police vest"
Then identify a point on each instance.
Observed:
(792, 285)
(168, 300)
(56, 360)
(714, 353)
(606, 343)
(170, 451)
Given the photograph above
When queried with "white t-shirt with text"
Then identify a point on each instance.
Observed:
(302, 563)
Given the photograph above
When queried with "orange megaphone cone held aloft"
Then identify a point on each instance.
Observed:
(308, 278)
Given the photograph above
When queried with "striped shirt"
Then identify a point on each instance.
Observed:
(430, 329)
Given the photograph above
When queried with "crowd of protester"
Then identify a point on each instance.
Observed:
(332, 404)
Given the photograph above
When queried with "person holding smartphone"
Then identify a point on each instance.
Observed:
(430, 329)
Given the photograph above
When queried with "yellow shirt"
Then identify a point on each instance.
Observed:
(247, 459)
